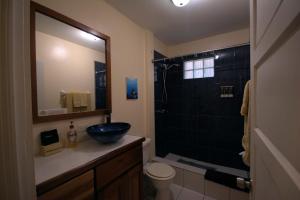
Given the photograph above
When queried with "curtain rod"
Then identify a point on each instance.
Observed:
(164, 59)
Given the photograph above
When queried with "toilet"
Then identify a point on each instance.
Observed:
(160, 174)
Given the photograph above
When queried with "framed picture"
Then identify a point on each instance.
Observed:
(132, 88)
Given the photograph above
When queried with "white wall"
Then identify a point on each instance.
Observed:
(209, 43)
(160, 47)
(63, 65)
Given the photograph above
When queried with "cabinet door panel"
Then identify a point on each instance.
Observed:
(135, 180)
(117, 190)
(79, 188)
(115, 167)
(126, 187)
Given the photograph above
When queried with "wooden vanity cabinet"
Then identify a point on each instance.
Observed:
(127, 187)
(121, 177)
(79, 188)
(116, 176)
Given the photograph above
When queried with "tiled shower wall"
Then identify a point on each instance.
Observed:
(195, 121)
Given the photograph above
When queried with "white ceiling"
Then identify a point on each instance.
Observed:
(199, 19)
(64, 31)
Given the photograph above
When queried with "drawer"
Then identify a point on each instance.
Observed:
(108, 171)
(78, 188)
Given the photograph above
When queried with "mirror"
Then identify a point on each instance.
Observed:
(70, 67)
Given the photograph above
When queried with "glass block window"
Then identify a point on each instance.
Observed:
(201, 68)
(188, 70)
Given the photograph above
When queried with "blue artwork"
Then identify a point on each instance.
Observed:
(132, 88)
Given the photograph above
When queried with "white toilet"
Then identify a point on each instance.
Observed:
(160, 174)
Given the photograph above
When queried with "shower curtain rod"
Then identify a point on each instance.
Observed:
(164, 59)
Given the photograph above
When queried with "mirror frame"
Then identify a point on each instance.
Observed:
(35, 7)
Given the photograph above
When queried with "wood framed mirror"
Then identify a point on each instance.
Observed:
(70, 67)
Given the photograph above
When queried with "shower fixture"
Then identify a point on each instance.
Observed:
(180, 3)
(165, 93)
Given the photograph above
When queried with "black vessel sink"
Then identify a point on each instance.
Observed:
(108, 133)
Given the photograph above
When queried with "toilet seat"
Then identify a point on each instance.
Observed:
(160, 171)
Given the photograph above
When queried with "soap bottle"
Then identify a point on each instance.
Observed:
(72, 136)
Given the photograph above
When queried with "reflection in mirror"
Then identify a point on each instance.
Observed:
(70, 68)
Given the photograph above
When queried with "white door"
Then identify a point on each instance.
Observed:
(275, 99)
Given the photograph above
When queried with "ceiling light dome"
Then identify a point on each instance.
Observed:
(180, 3)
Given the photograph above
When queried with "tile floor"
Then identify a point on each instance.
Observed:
(181, 193)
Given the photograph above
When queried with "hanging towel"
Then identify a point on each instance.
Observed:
(88, 101)
(76, 100)
(69, 102)
(245, 112)
(84, 99)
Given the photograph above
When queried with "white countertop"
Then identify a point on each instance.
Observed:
(57, 164)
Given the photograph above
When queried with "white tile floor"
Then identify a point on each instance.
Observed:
(181, 193)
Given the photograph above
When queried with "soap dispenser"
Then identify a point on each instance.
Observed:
(72, 136)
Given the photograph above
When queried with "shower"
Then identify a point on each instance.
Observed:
(192, 117)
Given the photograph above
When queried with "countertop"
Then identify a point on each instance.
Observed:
(52, 166)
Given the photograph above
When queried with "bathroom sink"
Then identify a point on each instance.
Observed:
(108, 133)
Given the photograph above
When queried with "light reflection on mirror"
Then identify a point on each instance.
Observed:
(71, 68)
(89, 36)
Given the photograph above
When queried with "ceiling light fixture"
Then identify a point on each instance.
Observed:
(180, 3)
(89, 36)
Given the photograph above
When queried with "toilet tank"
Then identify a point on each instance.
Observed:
(146, 150)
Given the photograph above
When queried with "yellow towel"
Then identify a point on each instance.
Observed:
(69, 102)
(83, 99)
(245, 112)
(88, 103)
(76, 100)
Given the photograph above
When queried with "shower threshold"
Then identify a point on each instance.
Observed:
(207, 166)
(191, 163)
(226, 176)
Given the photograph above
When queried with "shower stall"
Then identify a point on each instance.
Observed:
(197, 106)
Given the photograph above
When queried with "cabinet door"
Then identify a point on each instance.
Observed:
(79, 188)
(126, 187)
(117, 190)
(117, 166)
(135, 183)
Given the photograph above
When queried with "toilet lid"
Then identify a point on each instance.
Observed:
(160, 170)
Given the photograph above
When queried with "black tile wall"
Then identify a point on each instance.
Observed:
(100, 85)
(195, 122)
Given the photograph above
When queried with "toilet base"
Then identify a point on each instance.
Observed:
(164, 194)
(161, 184)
